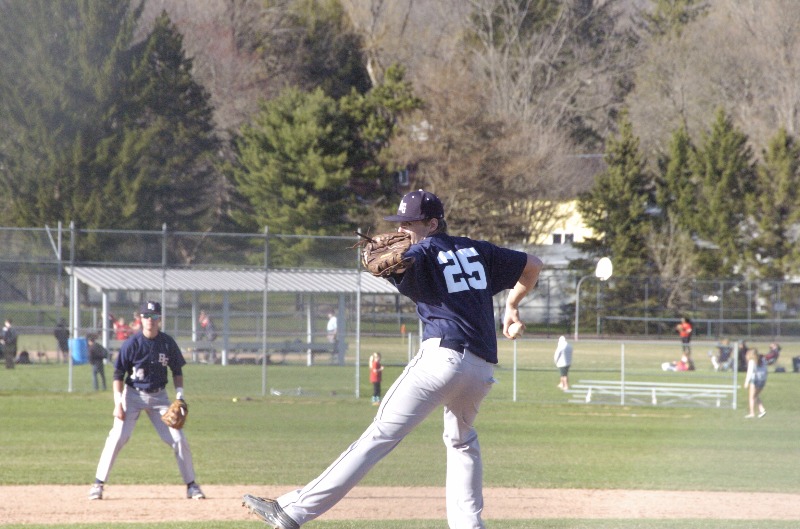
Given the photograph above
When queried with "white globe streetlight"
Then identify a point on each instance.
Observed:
(602, 272)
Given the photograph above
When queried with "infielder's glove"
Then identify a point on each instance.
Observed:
(383, 255)
(176, 414)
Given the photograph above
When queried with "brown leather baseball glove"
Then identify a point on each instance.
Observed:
(176, 414)
(383, 255)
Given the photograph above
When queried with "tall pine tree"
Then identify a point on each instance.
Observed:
(60, 78)
(309, 164)
(774, 210)
(616, 208)
(723, 165)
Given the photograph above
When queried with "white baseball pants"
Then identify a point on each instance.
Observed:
(435, 376)
(155, 405)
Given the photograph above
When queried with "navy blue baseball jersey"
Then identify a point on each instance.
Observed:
(454, 296)
(145, 361)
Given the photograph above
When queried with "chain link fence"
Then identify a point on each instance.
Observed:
(36, 292)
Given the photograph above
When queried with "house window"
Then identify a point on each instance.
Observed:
(569, 238)
(556, 238)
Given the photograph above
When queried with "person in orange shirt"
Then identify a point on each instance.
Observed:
(375, 375)
(685, 331)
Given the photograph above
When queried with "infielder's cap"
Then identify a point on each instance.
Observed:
(150, 307)
(418, 205)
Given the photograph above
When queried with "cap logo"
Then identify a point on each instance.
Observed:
(151, 306)
(402, 208)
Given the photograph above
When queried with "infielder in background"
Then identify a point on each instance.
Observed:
(452, 282)
(140, 378)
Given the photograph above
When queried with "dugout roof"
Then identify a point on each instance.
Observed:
(105, 279)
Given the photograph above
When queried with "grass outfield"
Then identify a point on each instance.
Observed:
(50, 436)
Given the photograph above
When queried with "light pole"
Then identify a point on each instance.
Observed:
(602, 272)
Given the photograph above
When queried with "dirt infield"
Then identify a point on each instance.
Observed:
(68, 504)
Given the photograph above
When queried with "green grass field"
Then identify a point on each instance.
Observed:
(51, 436)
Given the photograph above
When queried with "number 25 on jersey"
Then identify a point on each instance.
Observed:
(462, 270)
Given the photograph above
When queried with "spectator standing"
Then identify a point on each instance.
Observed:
(332, 327)
(685, 331)
(61, 334)
(563, 359)
(8, 339)
(140, 379)
(742, 349)
(207, 324)
(210, 334)
(121, 329)
(97, 357)
(375, 376)
(756, 379)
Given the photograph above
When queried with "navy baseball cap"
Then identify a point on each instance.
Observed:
(150, 307)
(418, 205)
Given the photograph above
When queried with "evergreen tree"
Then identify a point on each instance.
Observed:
(60, 78)
(309, 164)
(723, 165)
(774, 209)
(616, 208)
(670, 243)
(329, 52)
(676, 191)
(293, 165)
(123, 136)
(163, 156)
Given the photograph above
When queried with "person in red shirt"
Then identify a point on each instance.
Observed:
(375, 375)
(685, 331)
(121, 329)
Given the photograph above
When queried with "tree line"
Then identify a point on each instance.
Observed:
(314, 116)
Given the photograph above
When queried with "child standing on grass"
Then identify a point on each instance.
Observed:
(375, 375)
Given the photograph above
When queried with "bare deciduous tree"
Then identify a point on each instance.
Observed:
(672, 252)
(743, 56)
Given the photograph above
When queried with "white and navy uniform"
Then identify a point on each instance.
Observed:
(453, 281)
(142, 363)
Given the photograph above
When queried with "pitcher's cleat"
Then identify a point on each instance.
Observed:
(193, 492)
(96, 492)
(269, 511)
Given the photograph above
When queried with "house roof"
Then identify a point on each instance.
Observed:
(105, 279)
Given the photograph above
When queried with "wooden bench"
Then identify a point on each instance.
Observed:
(251, 352)
(653, 393)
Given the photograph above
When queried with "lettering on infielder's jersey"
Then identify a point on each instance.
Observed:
(163, 360)
(462, 270)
